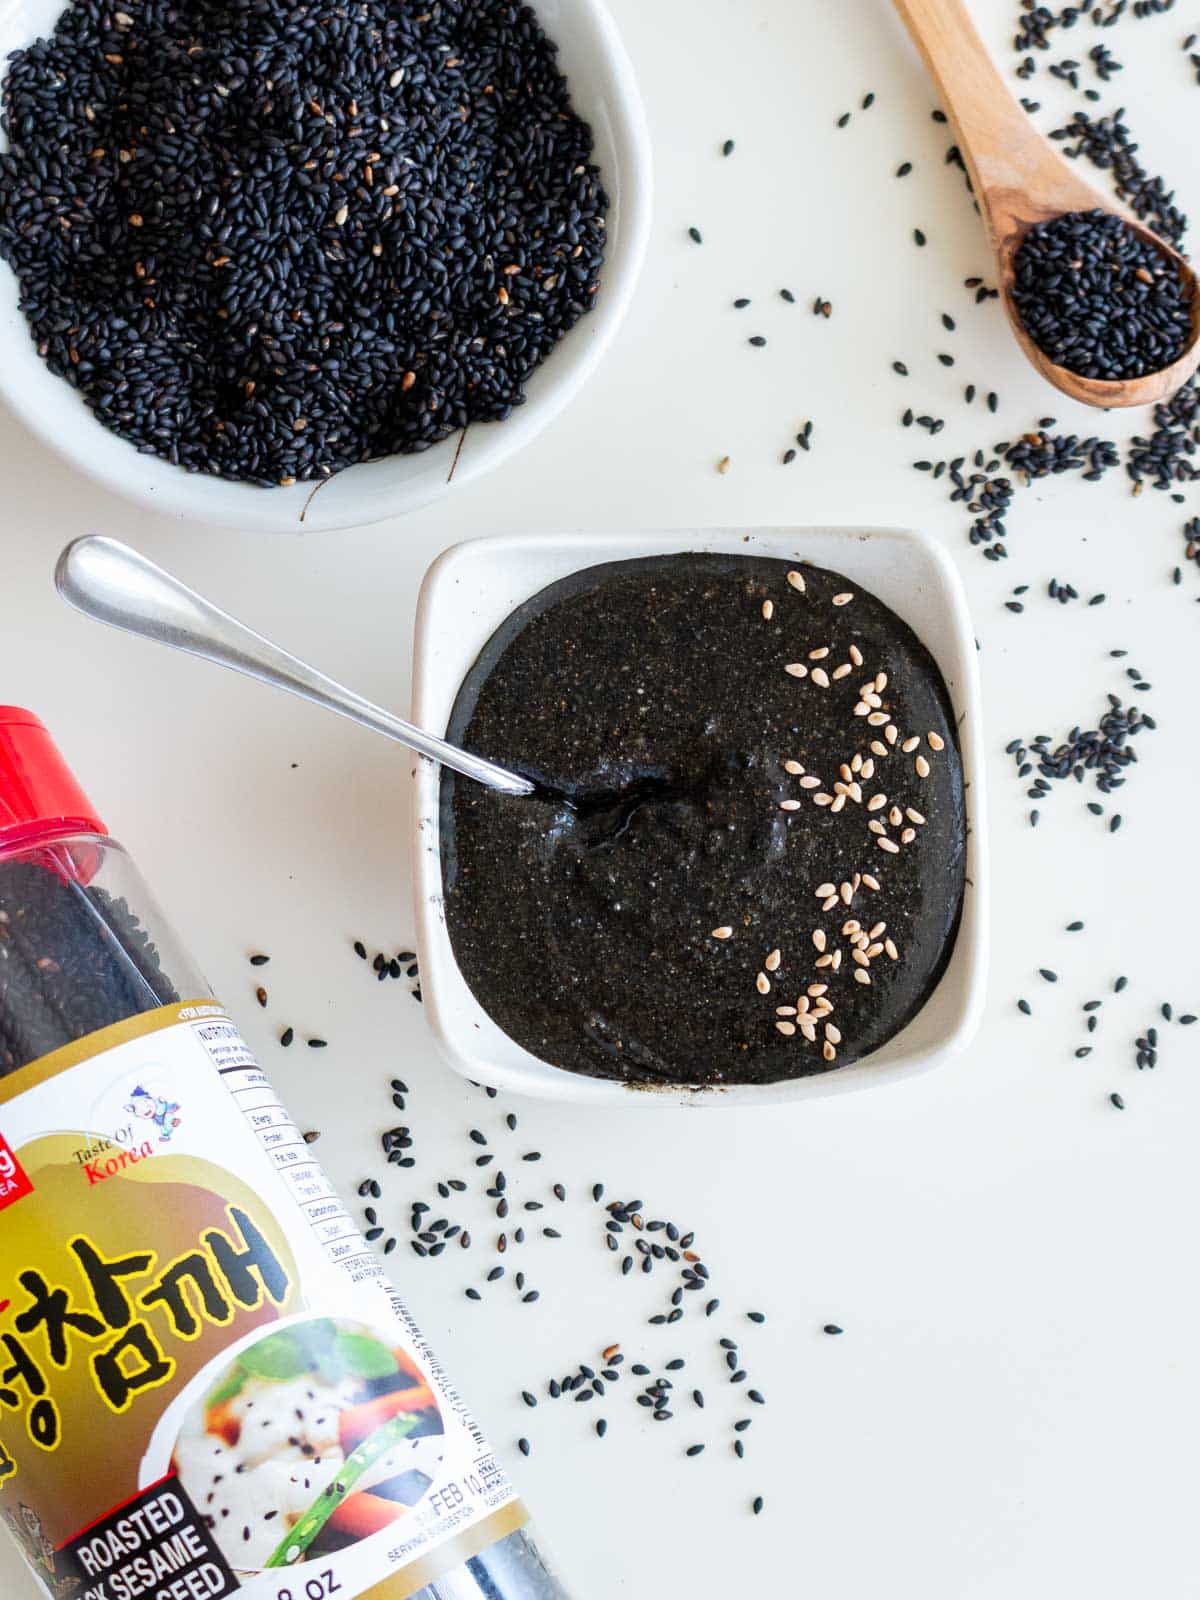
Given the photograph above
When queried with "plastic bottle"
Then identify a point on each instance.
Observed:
(208, 1386)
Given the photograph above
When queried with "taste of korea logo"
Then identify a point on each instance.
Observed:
(14, 1181)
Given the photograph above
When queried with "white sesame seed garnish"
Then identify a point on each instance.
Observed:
(855, 793)
(876, 826)
(910, 745)
(768, 610)
(856, 655)
(878, 747)
(895, 816)
(773, 960)
(816, 990)
(801, 1005)
(820, 677)
(876, 719)
(913, 815)
(871, 882)
(876, 801)
(846, 890)
(867, 770)
(822, 799)
(839, 803)
(843, 671)
(861, 708)
(762, 983)
(722, 933)
(828, 905)
(818, 938)
(873, 700)
(856, 882)
(891, 733)
(856, 762)
(834, 1035)
(881, 682)
(823, 889)
(797, 582)
(841, 788)
(878, 930)
(810, 783)
(851, 926)
(861, 975)
(819, 653)
(828, 1051)
(874, 950)
(922, 766)
(908, 836)
(786, 1028)
(843, 599)
(794, 768)
(837, 960)
(890, 946)
(889, 845)
(789, 805)
(844, 772)
(796, 669)
(808, 1029)
(859, 957)
(785, 1011)
(936, 742)
(823, 961)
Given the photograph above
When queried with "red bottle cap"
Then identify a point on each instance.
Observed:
(39, 797)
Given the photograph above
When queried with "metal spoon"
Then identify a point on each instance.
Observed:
(1019, 179)
(107, 580)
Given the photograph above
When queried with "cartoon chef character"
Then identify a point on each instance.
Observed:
(157, 1109)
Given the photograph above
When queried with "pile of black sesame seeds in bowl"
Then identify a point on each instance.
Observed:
(268, 242)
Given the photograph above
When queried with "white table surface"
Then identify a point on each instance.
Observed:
(1011, 1408)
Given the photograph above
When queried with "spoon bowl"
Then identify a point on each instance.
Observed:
(1020, 180)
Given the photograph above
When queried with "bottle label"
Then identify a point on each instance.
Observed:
(208, 1386)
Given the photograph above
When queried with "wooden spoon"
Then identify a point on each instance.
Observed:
(1020, 180)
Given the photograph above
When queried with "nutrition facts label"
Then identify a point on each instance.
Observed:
(255, 1098)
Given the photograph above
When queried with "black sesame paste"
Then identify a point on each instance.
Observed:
(690, 897)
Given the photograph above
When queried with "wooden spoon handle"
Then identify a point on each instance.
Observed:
(1003, 151)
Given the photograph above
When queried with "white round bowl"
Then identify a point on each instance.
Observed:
(604, 91)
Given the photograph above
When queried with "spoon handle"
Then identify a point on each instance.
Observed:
(996, 137)
(109, 581)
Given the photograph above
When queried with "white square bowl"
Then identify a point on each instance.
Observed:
(604, 91)
(466, 595)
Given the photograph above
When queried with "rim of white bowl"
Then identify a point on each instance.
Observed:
(55, 412)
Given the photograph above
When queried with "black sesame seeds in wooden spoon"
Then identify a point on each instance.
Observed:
(1102, 308)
